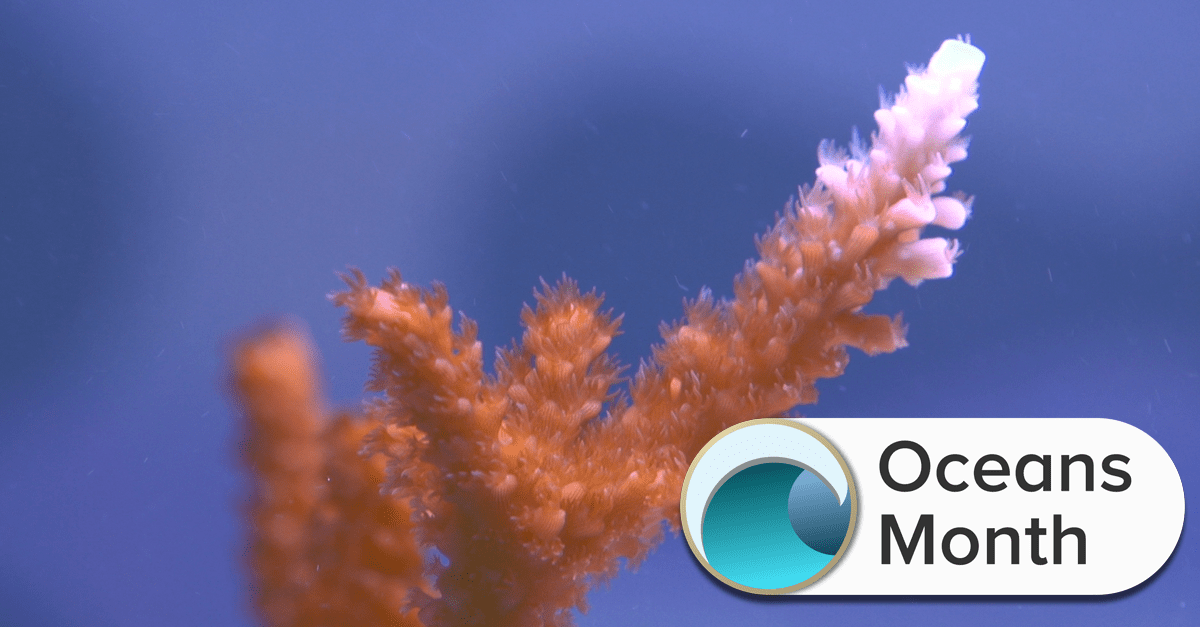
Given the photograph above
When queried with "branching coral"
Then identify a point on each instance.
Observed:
(518, 488)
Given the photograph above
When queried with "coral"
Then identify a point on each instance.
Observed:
(507, 496)
(328, 548)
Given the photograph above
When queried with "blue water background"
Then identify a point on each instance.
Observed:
(172, 172)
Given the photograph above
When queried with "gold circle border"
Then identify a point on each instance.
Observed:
(849, 530)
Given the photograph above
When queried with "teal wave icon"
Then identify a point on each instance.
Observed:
(768, 506)
(774, 525)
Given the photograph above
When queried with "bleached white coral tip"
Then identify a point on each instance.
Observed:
(957, 57)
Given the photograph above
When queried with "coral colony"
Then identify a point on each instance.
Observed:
(456, 496)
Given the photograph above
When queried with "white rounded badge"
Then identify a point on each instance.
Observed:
(934, 506)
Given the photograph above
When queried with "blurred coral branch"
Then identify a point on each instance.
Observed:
(328, 547)
(507, 496)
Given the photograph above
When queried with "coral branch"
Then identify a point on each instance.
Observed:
(327, 547)
(518, 488)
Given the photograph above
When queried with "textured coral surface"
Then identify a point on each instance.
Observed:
(458, 496)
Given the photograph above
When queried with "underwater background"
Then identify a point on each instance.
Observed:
(171, 173)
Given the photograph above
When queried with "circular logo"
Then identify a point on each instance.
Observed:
(768, 506)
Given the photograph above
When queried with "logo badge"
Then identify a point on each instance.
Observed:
(973, 506)
(769, 506)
